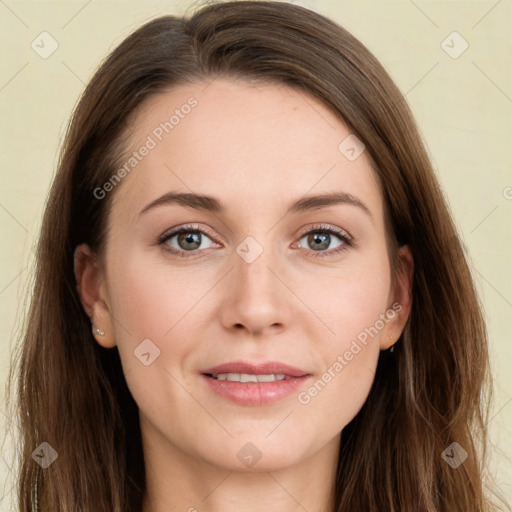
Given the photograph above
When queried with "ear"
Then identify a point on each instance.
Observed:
(92, 289)
(400, 299)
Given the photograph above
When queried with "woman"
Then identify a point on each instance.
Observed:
(249, 293)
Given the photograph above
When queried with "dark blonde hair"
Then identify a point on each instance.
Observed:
(71, 392)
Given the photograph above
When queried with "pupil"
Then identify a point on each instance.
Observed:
(189, 238)
(321, 239)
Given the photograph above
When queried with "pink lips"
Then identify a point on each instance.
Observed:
(255, 393)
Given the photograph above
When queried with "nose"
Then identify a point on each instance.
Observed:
(257, 299)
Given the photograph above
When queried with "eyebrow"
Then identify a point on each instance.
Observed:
(211, 204)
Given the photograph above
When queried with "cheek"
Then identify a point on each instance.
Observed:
(353, 306)
(348, 363)
(151, 299)
(335, 397)
(155, 310)
(350, 300)
(163, 303)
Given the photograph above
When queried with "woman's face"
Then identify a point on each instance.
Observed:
(207, 322)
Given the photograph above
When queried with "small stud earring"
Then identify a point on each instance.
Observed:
(98, 331)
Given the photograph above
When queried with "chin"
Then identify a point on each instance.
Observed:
(256, 456)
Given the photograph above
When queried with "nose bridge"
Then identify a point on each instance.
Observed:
(259, 300)
(252, 269)
(253, 266)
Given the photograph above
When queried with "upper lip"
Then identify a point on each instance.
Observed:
(267, 368)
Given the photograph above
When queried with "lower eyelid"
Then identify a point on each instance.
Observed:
(345, 238)
(164, 239)
(343, 246)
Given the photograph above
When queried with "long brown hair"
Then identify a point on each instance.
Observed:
(427, 394)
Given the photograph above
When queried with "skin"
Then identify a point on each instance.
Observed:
(257, 149)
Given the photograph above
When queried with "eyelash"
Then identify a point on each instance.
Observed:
(347, 240)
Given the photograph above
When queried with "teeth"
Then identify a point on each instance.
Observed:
(245, 377)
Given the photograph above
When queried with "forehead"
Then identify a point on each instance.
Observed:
(253, 146)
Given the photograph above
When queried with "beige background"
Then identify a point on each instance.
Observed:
(463, 106)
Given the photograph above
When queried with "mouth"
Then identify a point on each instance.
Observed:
(254, 384)
(247, 377)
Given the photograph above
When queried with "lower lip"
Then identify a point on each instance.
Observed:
(255, 393)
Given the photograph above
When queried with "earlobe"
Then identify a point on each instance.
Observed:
(400, 299)
(90, 286)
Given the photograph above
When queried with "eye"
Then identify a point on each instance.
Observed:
(320, 238)
(185, 239)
